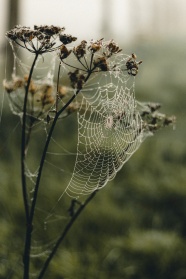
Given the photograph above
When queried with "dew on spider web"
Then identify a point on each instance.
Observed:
(109, 130)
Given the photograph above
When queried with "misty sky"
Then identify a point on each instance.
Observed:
(88, 18)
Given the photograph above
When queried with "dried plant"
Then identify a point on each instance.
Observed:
(35, 101)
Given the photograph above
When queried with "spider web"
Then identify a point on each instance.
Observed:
(109, 132)
(109, 124)
(43, 79)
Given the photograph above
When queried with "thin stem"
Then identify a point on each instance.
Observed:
(86, 63)
(92, 56)
(44, 155)
(23, 141)
(79, 59)
(35, 195)
(31, 123)
(57, 93)
(28, 135)
(26, 256)
(64, 233)
(84, 70)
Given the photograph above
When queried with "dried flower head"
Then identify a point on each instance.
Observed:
(46, 95)
(80, 50)
(95, 45)
(101, 63)
(113, 48)
(132, 65)
(39, 40)
(77, 79)
(153, 120)
(64, 52)
(41, 96)
(67, 39)
(13, 85)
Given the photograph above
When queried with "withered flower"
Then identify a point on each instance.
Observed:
(80, 50)
(77, 79)
(39, 40)
(47, 97)
(95, 45)
(64, 52)
(13, 85)
(153, 120)
(101, 63)
(132, 65)
(113, 48)
(49, 30)
(67, 39)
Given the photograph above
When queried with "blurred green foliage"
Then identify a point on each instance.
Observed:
(135, 227)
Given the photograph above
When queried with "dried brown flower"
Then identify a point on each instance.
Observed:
(101, 63)
(64, 52)
(77, 79)
(67, 39)
(80, 50)
(132, 65)
(95, 45)
(153, 120)
(13, 85)
(113, 48)
(46, 95)
(39, 40)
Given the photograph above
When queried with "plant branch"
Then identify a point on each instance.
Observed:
(26, 256)
(57, 94)
(64, 233)
(23, 141)
(35, 194)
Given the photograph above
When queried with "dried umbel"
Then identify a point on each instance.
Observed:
(111, 123)
(41, 96)
(40, 39)
(92, 57)
(154, 120)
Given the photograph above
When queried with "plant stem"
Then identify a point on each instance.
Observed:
(58, 113)
(26, 256)
(64, 233)
(23, 141)
(35, 195)
(57, 94)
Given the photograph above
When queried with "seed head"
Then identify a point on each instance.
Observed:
(39, 40)
(80, 50)
(67, 39)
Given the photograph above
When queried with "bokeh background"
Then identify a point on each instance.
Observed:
(135, 228)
